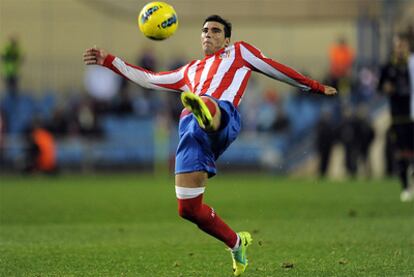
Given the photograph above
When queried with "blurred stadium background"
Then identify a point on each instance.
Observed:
(112, 210)
(119, 126)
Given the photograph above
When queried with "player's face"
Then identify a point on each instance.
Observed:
(212, 37)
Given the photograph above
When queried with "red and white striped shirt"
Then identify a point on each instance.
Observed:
(222, 75)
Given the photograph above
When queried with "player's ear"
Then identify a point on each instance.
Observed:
(226, 42)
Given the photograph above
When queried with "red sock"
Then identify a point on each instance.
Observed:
(206, 219)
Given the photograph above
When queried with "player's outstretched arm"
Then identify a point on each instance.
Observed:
(256, 60)
(330, 90)
(94, 56)
(169, 80)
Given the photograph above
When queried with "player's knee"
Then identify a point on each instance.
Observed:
(187, 211)
(211, 105)
(190, 199)
(183, 211)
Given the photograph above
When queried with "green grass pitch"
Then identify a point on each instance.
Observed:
(127, 225)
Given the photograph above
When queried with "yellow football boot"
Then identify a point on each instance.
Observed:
(199, 109)
(239, 255)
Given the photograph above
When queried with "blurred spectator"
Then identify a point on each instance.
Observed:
(364, 138)
(147, 59)
(267, 111)
(395, 84)
(174, 106)
(411, 67)
(365, 86)
(11, 57)
(122, 104)
(40, 150)
(250, 105)
(325, 139)
(87, 119)
(341, 57)
(58, 125)
(410, 34)
(103, 85)
(389, 149)
(281, 123)
(356, 134)
(348, 135)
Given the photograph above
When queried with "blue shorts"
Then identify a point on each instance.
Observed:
(197, 149)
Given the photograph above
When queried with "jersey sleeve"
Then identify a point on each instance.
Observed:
(168, 80)
(260, 63)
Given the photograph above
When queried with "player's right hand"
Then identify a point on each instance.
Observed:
(330, 90)
(94, 56)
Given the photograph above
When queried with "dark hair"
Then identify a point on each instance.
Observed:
(219, 19)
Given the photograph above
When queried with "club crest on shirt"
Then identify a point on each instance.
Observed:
(225, 54)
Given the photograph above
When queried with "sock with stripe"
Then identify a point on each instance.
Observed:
(191, 207)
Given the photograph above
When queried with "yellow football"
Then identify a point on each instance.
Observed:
(158, 20)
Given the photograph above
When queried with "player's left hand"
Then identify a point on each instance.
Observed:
(330, 91)
(94, 55)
